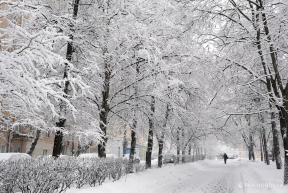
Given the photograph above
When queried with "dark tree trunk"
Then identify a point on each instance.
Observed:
(261, 146)
(284, 130)
(178, 145)
(150, 134)
(183, 156)
(276, 145)
(251, 147)
(133, 145)
(61, 123)
(190, 149)
(58, 139)
(265, 147)
(105, 108)
(125, 143)
(161, 138)
(250, 143)
(183, 147)
(103, 126)
(78, 152)
(160, 151)
(73, 144)
(34, 142)
(273, 155)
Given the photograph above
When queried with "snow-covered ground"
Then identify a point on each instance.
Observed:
(238, 175)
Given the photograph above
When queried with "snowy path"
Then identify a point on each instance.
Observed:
(203, 177)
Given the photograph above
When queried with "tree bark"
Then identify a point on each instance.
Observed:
(161, 138)
(261, 146)
(190, 149)
(105, 108)
(178, 145)
(62, 119)
(276, 145)
(133, 145)
(125, 142)
(265, 147)
(285, 138)
(160, 151)
(34, 142)
(150, 134)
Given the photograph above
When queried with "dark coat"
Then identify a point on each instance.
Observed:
(225, 156)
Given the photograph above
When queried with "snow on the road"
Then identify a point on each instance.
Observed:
(207, 176)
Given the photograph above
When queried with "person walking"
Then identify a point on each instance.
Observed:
(225, 157)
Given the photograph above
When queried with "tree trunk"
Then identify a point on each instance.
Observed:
(104, 109)
(285, 138)
(34, 142)
(133, 145)
(265, 147)
(160, 151)
(62, 119)
(73, 144)
(190, 149)
(178, 145)
(251, 147)
(150, 134)
(125, 142)
(183, 156)
(273, 153)
(261, 146)
(78, 152)
(161, 138)
(58, 139)
(183, 146)
(276, 145)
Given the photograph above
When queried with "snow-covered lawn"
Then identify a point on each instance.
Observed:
(238, 175)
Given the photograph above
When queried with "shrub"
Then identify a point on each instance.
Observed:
(45, 174)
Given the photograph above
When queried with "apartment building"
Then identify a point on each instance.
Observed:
(19, 139)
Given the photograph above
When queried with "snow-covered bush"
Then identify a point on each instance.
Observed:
(45, 174)
(139, 167)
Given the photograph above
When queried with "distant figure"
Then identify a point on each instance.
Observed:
(225, 157)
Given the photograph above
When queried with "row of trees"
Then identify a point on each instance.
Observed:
(88, 65)
(250, 47)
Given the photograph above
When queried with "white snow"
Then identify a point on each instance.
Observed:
(88, 155)
(14, 156)
(91, 155)
(238, 175)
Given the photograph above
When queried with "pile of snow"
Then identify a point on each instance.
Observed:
(92, 155)
(14, 156)
(88, 155)
(126, 156)
(112, 156)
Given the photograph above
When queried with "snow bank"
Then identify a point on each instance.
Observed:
(14, 156)
(88, 155)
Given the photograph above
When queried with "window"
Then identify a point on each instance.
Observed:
(2, 148)
(32, 131)
(19, 128)
(47, 134)
(17, 149)
(4, 124)
(45, 152)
